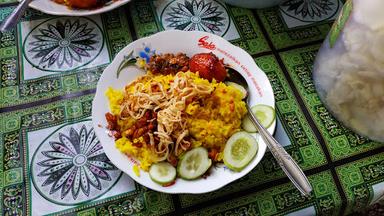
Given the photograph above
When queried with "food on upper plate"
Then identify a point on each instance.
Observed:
(82, 4)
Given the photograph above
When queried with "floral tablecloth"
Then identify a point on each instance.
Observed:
(49, 67)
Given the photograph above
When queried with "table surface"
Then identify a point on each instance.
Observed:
(45, 103)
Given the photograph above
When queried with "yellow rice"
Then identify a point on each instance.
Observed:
(210, 123)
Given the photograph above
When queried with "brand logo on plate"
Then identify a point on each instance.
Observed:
(204, 43)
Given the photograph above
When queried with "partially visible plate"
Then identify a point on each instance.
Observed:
(51, 7)
(188, 42)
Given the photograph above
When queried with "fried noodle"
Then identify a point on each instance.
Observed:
(170, 104)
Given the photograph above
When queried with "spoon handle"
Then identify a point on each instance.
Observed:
(12, 20)
(289, 166)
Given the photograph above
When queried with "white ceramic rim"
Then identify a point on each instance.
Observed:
(53, 8)
(203, 185)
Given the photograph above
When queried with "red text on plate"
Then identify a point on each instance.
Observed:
(204, 43)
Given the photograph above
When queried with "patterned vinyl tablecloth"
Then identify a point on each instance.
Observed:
(47, 85)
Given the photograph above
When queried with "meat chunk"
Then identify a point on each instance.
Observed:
(168, 63)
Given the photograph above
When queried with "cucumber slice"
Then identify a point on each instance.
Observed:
(239, 150)
(239, 87)
(194, 163)
(162, 173)
(264, 113)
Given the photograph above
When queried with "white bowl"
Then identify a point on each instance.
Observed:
(51, 7)
(190, 43)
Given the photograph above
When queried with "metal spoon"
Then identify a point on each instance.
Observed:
(289, 166)
(12, 20)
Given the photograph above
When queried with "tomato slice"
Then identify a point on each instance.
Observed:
(209, 66)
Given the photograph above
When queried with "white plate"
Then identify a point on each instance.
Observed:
(51, 7)
(190, 43)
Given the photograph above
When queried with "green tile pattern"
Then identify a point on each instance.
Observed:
(357, 179)
(282, 199)
(282, 36)
(15, 90)
(146, 22)
(345, 169)
(16, 182)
